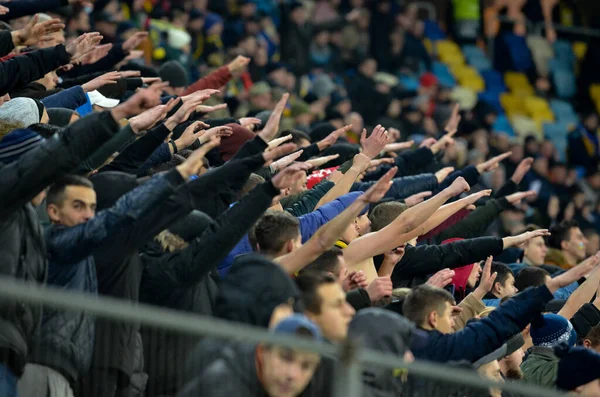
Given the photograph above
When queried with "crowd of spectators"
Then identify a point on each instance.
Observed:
(265, 162)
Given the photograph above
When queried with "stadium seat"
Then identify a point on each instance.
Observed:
(442, 72)
(433, 31)
(465, 97)
(493, 81)
(519, 52)
(493, 98)
(563, 110)
(410, 83)
(564, 50)
(565, 83)
(579, 49)
(525, 126)
(542, 53)
(518, 83)
(468, 77)
(503, 125)
(512, 104)
(595, 92)
(556, 130)
(480, 64)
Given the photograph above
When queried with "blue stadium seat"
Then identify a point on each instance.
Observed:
(472, 51)
(433, 31)
(563, 50)
(409, 82)
(519, 52)
(480, 64)
(503, 125)
(564, 83)
(563, 111)
(494, 81)
(444, 75)
(492, 98)
(556, 131)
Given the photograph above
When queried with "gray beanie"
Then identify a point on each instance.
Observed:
(174, 73)
(20, 110)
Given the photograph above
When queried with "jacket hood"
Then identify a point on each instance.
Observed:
(252, 289)
(110, 186)
(556, 257)
(385, 331)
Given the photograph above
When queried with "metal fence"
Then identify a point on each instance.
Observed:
(424, 378)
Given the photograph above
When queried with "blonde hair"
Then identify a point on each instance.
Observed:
(170, 242)
(7, 127)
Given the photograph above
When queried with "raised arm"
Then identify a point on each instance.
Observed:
(396, 233)
(327, 235)
(585, 292)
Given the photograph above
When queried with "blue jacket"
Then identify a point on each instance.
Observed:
(309, 224)
(481, 338)
(65, 341)
(71, 98)
(403, 187)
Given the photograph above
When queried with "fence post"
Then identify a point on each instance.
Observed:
(348, 371)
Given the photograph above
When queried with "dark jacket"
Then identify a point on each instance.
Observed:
(23, 8)
(419, 262)
(403, 187)
(23, 69)
(22, 246)
(182, 280)
(409, 163)
(232, 374)
(309, 199)
(66, 339)
(482, 337)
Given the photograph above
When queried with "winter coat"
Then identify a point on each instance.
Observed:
(481, 338)
(403, 187)
(423, 260)
(66, 339)
(309, 224)
(541, 367)
(408, 163)
(22, 248)
(556, 257)
(23, 8)
(181, 280)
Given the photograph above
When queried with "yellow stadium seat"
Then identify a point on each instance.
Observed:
(535, 105)
(447, 46)
(525, 126)
(512, 104)
(518, 83)
(428, 45)
(580, 49)
(595, 92)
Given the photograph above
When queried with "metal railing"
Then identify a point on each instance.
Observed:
(352, 358)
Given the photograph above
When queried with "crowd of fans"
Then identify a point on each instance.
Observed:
(259, 161)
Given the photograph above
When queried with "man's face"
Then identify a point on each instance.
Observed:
(444, 322)
(592, 389)
(262, 101)
(536, 250)
(474, 276)
(342, 269)
(335, 313)
(575, 246)
(351, 233)
(78, 206)
(363, 224)
(506, 289)
(286, 372)
(511, 365)
(492, 371)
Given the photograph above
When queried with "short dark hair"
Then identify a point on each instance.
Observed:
(423, 300)
(45, 130)
(308, 284)
(530, 276)
(503, 272)
(273, 230)
(385, 213)
(169, 165)
(56, 193)
(253, 181)
(594, 335)
(561, 232)
(297, 135)
(327, 262)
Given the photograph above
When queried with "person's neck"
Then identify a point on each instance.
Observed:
(527, 262)
(569, 258)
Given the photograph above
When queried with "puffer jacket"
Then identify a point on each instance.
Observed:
(22, 246)
(65, 341)
(541, 367)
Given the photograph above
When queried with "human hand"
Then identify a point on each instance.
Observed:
(195, 162)
(134, 54)
(459, 186)
(190, 134)
(417, 198)
(487, 279)
(516, 198)
(373, 164)
(237, 66)
(441, 278)
(452, 125)
(522, 169)
(189, 106)
(335, 176)
(150, 117)
(205, 94)
(395, 147)
(553, 207)
(134, 41)
(96, 54)
(443, 143)
(272, 127)
(4, 10)
(278, 141)
(285, 161)
(492, 163)
(126, 74)
(380, 288)
(473, 198)
(429, 142)
(442, 174)
(34, 32)
(219, 131)
(249, 122)
(374, 144)
(83, 45)
(378, 190)
(209, 109)
(288, 176)
(319, 161)
(101, 81)
(394, 256)
(572, 275)
(522, 238)
(332, 138)
(355, 280)
(141, 101)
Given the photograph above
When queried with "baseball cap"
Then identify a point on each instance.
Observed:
(97, 98)
(298, 323)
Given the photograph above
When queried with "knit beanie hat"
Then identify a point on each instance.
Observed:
(16, 143)
(211, 20)
(174, 73)
(577, 367)
(20, 110)
(60, 117)
(550, 330)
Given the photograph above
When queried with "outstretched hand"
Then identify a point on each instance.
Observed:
(290, 175)
(35, 32)
(516, 198)
(487, 279)
(522, 169)
(332, 138)
(378, 190)
(195, 162)
(143, 100)
(150, 117)
(374, 144)
(319, 161)
(272, 127)
(459, 186)
(441, 278)
(492, 163)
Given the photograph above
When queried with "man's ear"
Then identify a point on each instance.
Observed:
(432, 319)
(497, 287)
(587, 343)
(52, 211)
(289, 246)
(564, 245)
